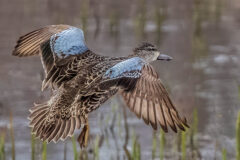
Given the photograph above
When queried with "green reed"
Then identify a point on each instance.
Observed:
(218, 10)
(199, 43)
(117, 113)
(119, 125)
(114, 23)
(83, 155)
(183, 144)
(44, 150)
(224, 154)
(2, 146)
(74, 145)
(133, 137)
(65, 151)
(140, 21)
(194, 129)
(238, 137)
(12, 136)
(154, 145)
(193, 135)
(33, 146)
(136, 148)
(160, 16)
(162, 144)
(84, 14)
(195, 122)
(96, 148)
(239, 92)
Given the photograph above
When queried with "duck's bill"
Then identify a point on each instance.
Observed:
(164, 57)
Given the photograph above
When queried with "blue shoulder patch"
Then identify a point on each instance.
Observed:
(68, 42)
(129, 68)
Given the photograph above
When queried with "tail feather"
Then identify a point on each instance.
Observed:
(66, 131)
(54, 132)
(37, 106)
(40, 109)
(52, 128)
(60, 132)
(36, 121)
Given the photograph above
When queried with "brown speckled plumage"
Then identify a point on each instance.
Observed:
(80, 85)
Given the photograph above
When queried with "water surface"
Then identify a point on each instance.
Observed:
(203, 36)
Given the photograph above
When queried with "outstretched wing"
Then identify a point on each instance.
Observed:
(29, 44)
(58, 46)
(144, 94)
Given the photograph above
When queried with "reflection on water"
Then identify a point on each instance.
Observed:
(201, 35)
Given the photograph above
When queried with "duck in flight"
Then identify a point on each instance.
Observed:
(82, 80)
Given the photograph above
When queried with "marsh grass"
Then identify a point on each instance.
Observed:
(140, 20)
(119, 125)
(83, 155)
(44, 150)
(193, 131)
(74, 145)
(154, 145)
(218, 10)
(2, 146)
(161, 144)
(96, 148)
(187, 141)
(239, 92)
(183, 145)
(238, 137)
(160, 16)
(194, 128)
(65, 151)
(84, 14)
(12, 136)
(114, 23)
(33, 146)
(224, 154)
(126, 138)
(199, 44)
(136, 148)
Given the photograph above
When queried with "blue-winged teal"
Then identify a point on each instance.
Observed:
(82, 80)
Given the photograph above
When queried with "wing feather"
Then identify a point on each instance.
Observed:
(29, 44)
(61, 130)
(58, 47)
(150, 101)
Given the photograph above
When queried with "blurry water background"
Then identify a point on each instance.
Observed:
(203, 37)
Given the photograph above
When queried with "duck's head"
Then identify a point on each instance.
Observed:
(150, 53)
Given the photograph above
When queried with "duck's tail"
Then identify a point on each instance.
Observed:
(51, 125)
